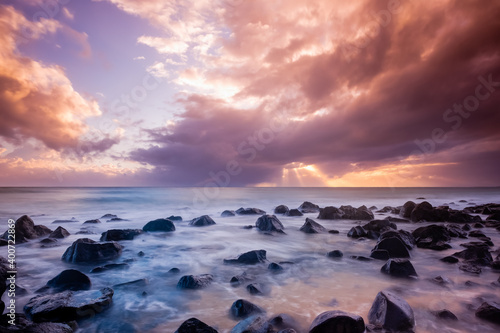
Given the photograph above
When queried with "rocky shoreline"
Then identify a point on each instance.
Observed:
(69, 298)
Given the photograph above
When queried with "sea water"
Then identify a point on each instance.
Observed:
(310, 284)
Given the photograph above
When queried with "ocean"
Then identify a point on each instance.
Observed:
(310, 284)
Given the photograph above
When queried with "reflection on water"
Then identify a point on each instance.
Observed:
(309, 284)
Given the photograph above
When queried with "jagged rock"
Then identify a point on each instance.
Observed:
(26, 229)
(249, 258)
(433, 237)
(120, 234)
(68, 305)
(193, 325)
(391, 312)
(394, 246)
(312, 227)
(269, 223)
(164, 225)
(475, 253)
(399, 268)
(337, 321)
(250, 211)
(202, 221)
(195, 281)
(356, 232)
(281, 209)
(403, 235)
(243, 309)
(308, 207)
(70, 279)
(294, 212)
(60, 232)
(360, 213)
(330, 213)
(228, 213)
(489, 311)
(87, 250)
(380, 226)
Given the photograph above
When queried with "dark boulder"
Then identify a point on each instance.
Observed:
(399, 268)
(445, 314)
(281, 209)
(380, 226)
(275, 267)
(26, 326)
(202, 221)
(489, 311)
(249, 258)
(240, 279)
(391, 312)
(164, 225)
(495, 216)
(470, 268)
(60, 232)
(86, 250)
(285, 323)
(312, 227)
(449, 259)
(26, 229)
(407, 209)
(396, 219)
(195, 281)
(360, 213)
(70, 279)
(109, 216)
(308, 207)
(94, 221)
(68, 305)
(250, 211)
(432, 237)
(193, 325)
(243, 308)
(394, 246)
(269, 223)
(475, 253)
(294, 212)
(228, 213)
(120, 234)
(455, 231)
(337, 322)
(424, 212)
(335, 254)
(403, 235)
(380, 254)
(132, 285)
(253, 324)
(356, 232)
(330, 213)
(258, 289)
(175, 218)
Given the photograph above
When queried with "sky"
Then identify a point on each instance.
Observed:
(365, 93)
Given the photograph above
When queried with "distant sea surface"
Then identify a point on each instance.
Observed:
(313, 284)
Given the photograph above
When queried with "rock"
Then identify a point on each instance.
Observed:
(228, 213)
(424, 212)
(60, 232)
(269, 223)
(335, 254)
(470, 268)
(407, 209)
(476, 253)
(193, 325)
(120, 234)
(337, 322)
(275, 267)
(293, 212)
(26, 326)
(139, 283)
(48, 241)
(360, 213)
(495, 216)
(380, 254)
(243, 309)
(399, 268)
(334, 232)
(476, 233)
(108, 267)
(396, 219)
(252, 324)
(70, 279)
(240, 279)
(455, 231)
(202, 221)
(68, 305)
(116, 219)
(361, 258)
(174, 270)
(380, 226)
(249, 258)
(159, 225)
(250, 211)
(86, 250)
(284, 323)
(92, 221)
(466, 227)
(388, 209)
(26, 229)
(312, 227)
(175, 218)
(403, 235)
(258, 289)
(391, 312)
(330, 213)
(432, 237)
(440, 280)
(356, 232)
(308, 207)
(71, 220)
(449, 259)
(394, 246)
(281, 209)
(195, 281)
(489, 311)
(109, 216)
(478, 225)
(445, 314)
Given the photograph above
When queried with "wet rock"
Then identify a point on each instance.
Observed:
(85, 250)
(242, 309)
(284, 323)
(394, 246)
(441, 280)
(391, 312)
(60, 232)
(308, 207)
(337, 322)
(403, 235)
(195, 281)
(281, 209)
(294, 212)
(26, 326)
(449, 259)
(466, 227)
(163, 225)
(269, 223)
(275, 267)
(240, 279)
(424, 212)
(312, 227)
(399, 268)
(48, 241)
(407, 209)
(193, 325)
(250, 211)
(476, 233)
(253, 324)
(495, 216)
(108, 267)
(396, 219)
(478, 225)
(445, 314)
(258, 289)
(360, 258)
(70, 279)
(335, 254)
(94, 221)
(131, 285)
(202, 221)
(470, 268)
(175, 218)
(116, 219)
(249, 258)
(380, 226)
(489, 311)
(476, 253)
(120, 234)
(334, 232)
(360, 213)
(330, 213)
(174, 270)
(356, 232)
(26, 229)
(388, 209)
(380, 254)
(432, 237)
(68, 305)
(228, 213)
(455, 231)
(108, 216)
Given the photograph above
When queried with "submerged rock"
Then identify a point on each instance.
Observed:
(335, 254)
(175, 218)
(228, 213)
(399, 268)
(195, 281)
(85, 250)
(308, 207)
(26, 229)
(202, 221)
(391, 312)
(269, 223)
(94, 221)
(164, 225)
(445, 314)
(243, 309)
(108, 267)
(312, 227)
(258, 289)
(120, 234)
(337, 321)
(476, 253)
(249, 258)
(70, 279)
(60, 232)
(250, 211)
(252, 324)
